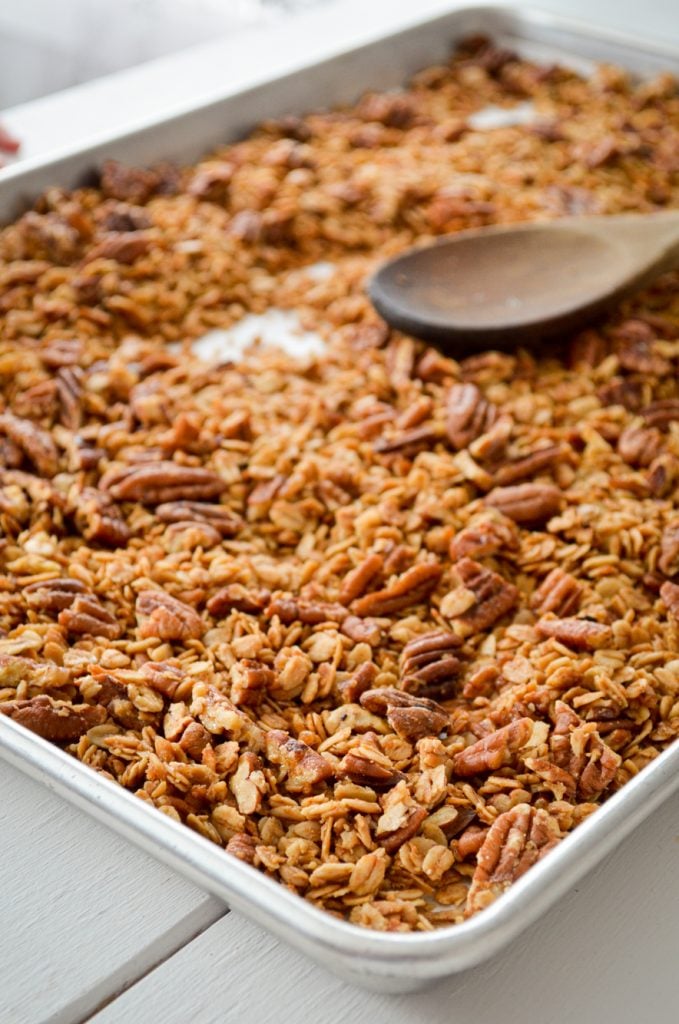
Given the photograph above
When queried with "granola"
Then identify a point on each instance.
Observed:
(383, 624)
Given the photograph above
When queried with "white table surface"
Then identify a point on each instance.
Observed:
(93, 929)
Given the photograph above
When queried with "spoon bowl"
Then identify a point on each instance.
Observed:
(510, 285)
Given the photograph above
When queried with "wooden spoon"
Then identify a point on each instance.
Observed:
(506, 286)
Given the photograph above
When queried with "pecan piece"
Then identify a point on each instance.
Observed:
(357, 580)
(484, 537)
(412, 587)
(129, 184)
(528, 465)
(559, 592)
(250, 681)
(494, 750)
(53, 595)
(70, 392)
(409, 440)
(639, 446)
(361, 680)
(100, 520)
(580, 634)
(668, 562)
(514, 842)
(242, 845)
(303, 767)
(578, 749)
(400, 819)
(669, 592)
(236, 597)
(488, 597)
(427, 662)
(468, 414)
(410, 717)
(121, 246)
(163, 677)
(248, 783)
(86, 616)
(36, 443)
(226, 522)
(623, 391)
(662, 475)
(361, 631)
(661, 414)
(166, 617)
(56, 720)
(159, 482)
(560, 781)
(527, 504)
(195, 739)
(367, 766)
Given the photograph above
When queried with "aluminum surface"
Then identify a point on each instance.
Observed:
(389, 962)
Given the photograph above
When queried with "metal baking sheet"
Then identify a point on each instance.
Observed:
(387, 962)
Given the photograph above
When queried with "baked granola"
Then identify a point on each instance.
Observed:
(384, 624)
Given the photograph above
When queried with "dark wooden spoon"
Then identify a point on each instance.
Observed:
(506, 286)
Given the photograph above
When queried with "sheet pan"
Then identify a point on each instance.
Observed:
(387, 962)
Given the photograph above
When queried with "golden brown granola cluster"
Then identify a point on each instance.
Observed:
(384, 624)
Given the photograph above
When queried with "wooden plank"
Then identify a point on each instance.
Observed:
(84, 913)
(607, 952)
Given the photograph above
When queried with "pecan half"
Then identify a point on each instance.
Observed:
(669, 592)
(484, 537)
(410, 717)
(86, 616)
(400, 819)
(357, 580)
(362, 630)
(250, 681)
(36, 444)
(159, 482)
(129, 184)
(468, 414)
(226, 522)
(580, 634)
(100, 520)
(312, 613)
(304, 768)
(514, 842)
(56, 720)
(528, 465)
(166, 617)
(559, 592)
(639, 446)
(668, 562)
(494, 750)
(527, 504)
(53, 595)
(410, 588)
(489, 597)
(428, 664)
(236, 597)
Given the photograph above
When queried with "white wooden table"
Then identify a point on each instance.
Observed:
(93, 929)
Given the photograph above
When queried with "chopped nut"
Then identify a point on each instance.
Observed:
(166, 618)
(401, 818)
(53, 595)
(250, 681)
(412, 587)
(236, 597)
(468, 415)
(485, 537)
(669, 592)
(242, 845)
(303, 767)
(491, 597)
(36, 444)
(86, 616)
(669, 549)
(359, 579)
(409, 716)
